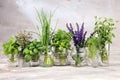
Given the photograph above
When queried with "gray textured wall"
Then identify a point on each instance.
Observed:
(72, 10)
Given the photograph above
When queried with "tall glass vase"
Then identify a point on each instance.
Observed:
(95, 61)
(104, 54)
(93, 56)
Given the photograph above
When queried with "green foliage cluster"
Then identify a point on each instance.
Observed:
(103, 36)
(11, 48)
(104, 27)
(61, 40)
(93, 46)
(33, 50)
(15, 46)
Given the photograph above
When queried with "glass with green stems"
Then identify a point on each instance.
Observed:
(93, 49)
(45, 37)
(23, 39)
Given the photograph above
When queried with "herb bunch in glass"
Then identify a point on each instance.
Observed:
(104, 27)
(61, 44)
(45, 37)
(78, 37)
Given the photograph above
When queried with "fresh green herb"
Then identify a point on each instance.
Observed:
(93, 46)
(61, 44)
(61, 40)
(33, 50)
(45, 38)
(104, 27)
(11, 48)
(45, 23)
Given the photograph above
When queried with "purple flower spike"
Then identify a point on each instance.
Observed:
(70, 28)
(78, 35)
(83, 24)
(77, 27)
(84, 34)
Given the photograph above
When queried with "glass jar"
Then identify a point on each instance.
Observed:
(80, 58)
(47, 60)
(22, 62)
(104, 54)
(61, 58)
(95, 61)
(35, 62)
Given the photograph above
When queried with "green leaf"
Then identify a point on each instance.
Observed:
(26, 51)
(19, 48)
(35, 50)
(77, 59)
(27, 58)
(31, 52)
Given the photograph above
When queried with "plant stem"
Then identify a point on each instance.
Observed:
(77, 49)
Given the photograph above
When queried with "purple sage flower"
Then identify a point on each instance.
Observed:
(78, 35)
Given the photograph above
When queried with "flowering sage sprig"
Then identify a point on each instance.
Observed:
(77, 35)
